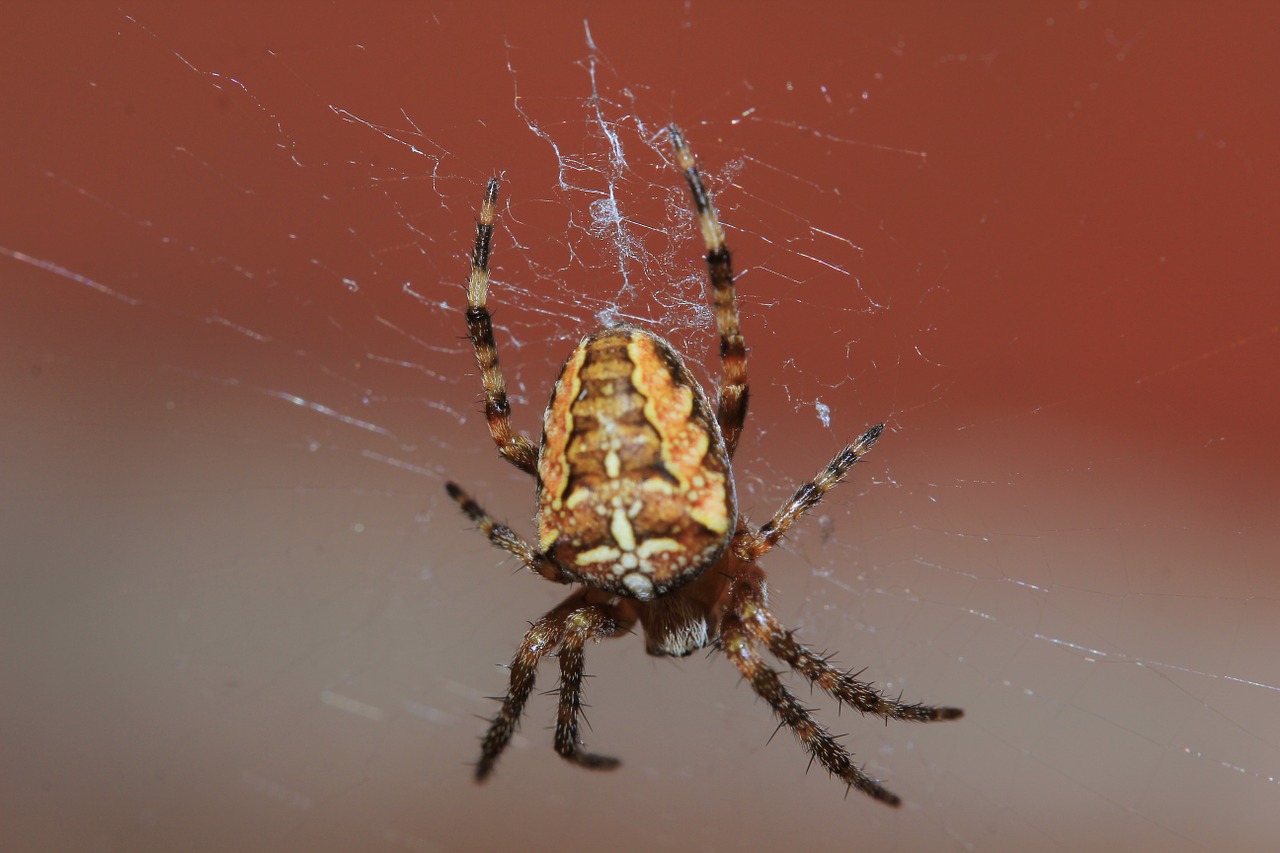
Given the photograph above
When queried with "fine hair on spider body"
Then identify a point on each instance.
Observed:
(637, 509)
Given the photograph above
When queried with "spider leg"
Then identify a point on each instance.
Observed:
(734, 390)
(542, 637)
(813, 735)
(750, 603)
(756, 544)
(843, 686)
(583, 615)
(517, 448)
(506, 538)
(581, 625)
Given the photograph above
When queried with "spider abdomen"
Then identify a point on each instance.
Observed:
(635, 494)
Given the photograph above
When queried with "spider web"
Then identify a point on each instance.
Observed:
(240, 613)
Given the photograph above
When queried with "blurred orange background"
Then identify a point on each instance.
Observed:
(1037, 240)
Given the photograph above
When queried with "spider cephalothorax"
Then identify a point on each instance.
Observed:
(636, 504)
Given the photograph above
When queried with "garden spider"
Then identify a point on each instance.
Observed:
(636, 504)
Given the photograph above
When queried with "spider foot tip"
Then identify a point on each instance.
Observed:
(595, 761)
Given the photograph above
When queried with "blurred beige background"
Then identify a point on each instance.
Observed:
(237, 611)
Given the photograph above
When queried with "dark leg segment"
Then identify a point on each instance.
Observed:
(544, 636)
(582, 625)
(806, 498)
(844, 686)
(748, 598)
(505, 538)
(812, 734)
(734, 388)
(584, 615)
(748, 622)
(516, 448)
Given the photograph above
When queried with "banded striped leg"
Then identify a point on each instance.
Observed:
(842, 685)
(752, 547)
(506, 538)
(517, 448)
(542, 637)
(569, 626)
(734, 388)
(747, 602)
(815, 737)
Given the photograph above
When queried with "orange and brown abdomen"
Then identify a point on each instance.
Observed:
(636, 496)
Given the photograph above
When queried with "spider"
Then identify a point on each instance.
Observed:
(637, 508)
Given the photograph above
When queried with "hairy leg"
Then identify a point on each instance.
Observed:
(581, 625)
(748, 600)
(751, 547)
(506, 538)
(516, 448)
(844, 686)
(734, 388)
(815, 738)
(586, 614)
(542, 637)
